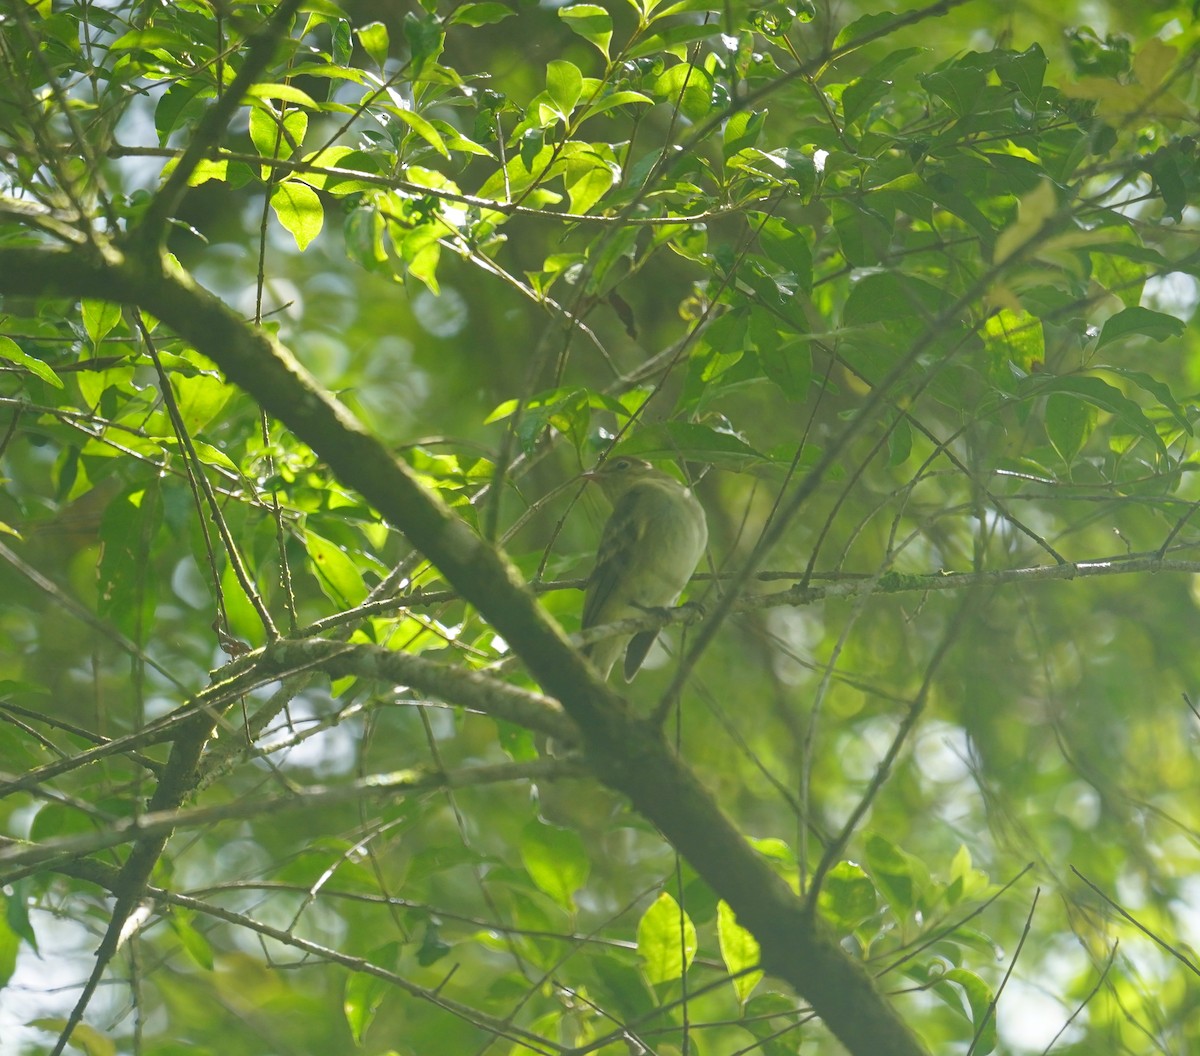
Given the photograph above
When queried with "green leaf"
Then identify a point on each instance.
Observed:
(587, 178)
(274, 136)
(848, 897)
(419, 250)
(1137, 320)
(11, 351)
(1173, 168)
(16, 908)
(739, 951)
(153, 38)
(787, 246)
(687, 86)
(666, 939)
(193, 942)
(1158, 389)
(959, 87)
(864, 233)
(338, 576)
(966, 881)
(433, 946)
(1105, 397)
(330, 10)
(127, 581)
(680, 6)
(99, 317)
(788, 364)
(742, 130)
(769, 1018)
(298, 208)
(482, 14)
(421, 127)
(778, 852)
(958, 983)
(1014, 337)
(614, 99)
(860, 95)
(900, 442)
(213, 456)
(343, 43)
(873, 25)
(1070, 420)
(424, 35)
(10, 943)
(1108, 58)
(85, 1038)
(900, 877)
(692, 442)
(884, 297)
(200, 398)
(591, 22)
(606, 265)
(287, 93)
(1025, 71)
(721, 347)
(568, 410)
(556, 861)
(375, 42)
(672, 40)
(210, 169)
(1034, 211)
(342, 158)
(364, 994)
(564, 85)
(456, 141)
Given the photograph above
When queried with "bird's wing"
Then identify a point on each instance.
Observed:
(615, 559)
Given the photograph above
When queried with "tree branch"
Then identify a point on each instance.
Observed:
(629, 756)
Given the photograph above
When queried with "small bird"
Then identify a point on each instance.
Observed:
(649, 549)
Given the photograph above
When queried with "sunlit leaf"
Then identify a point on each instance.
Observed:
(374, 39)
(591, 22)
(481, 14)
(739, 951)
(666, 940)
(339, 577)
(298, 208)
(564, 85)
(11, 351)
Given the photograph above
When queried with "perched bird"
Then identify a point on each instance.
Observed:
(649, 549)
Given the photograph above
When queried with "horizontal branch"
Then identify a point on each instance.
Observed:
(18, 855)
(904, 583)
(418, 190)
(455, 685)
(844, 585)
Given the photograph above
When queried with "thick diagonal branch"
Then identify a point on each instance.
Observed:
(628, 756)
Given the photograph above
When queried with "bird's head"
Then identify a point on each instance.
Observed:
(617, 475)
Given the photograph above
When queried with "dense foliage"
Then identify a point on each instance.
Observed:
(314, 312)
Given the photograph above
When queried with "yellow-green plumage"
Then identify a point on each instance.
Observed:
(649, 549)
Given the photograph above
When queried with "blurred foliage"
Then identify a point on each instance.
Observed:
(940, 262)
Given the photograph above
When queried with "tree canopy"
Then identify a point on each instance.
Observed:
(313, 314)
